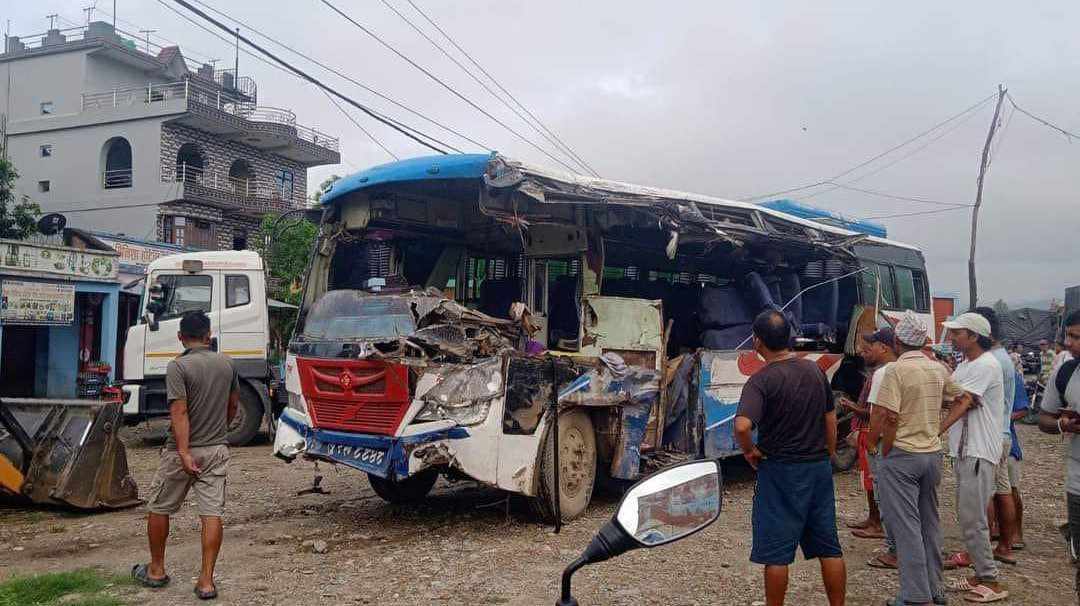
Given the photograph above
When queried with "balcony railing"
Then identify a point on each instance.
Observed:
(162, 95)
(250, 193)
(116, 179)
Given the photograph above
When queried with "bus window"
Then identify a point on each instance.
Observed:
(905, 288)
(869, 282)
(922, 292)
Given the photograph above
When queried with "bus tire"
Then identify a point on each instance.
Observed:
(410, 490)
(249, 414)
(577, 468)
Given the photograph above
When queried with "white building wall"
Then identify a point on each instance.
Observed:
(75, 174)
(51, 77)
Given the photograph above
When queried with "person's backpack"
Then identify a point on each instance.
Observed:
(1064, 374)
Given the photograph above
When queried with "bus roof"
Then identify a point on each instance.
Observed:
(477, 166)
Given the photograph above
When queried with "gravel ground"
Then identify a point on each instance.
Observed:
(468, 544)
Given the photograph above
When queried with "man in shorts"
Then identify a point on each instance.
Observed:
(791, 403)
(203, 393)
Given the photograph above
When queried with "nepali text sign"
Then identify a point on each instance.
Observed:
(72, 263)
(37, 302)
(139, 255)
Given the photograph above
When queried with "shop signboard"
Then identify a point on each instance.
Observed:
(71, 263)
(24, 302)
(137, 255)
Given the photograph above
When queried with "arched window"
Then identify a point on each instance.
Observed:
(116, 158)
(190, 163)
(242, 177)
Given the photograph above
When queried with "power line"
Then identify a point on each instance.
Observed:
(875, 157)
(916, 213)
(882, 194)
(566, 147)
(443, 84)
(346, 77)
(316, 82)
(357, 124)
(1045, 123)
(483, 84)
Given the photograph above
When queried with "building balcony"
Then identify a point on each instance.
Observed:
(249, 196)
(212, 109)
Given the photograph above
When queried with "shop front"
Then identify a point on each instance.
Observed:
(58, 316)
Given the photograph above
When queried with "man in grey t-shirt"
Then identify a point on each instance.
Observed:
(203, 393)
(1059, 410)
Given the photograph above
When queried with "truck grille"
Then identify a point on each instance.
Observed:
(361, 396)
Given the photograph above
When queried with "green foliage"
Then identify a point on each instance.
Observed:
(47, 589)
(17, 220)
(287, 260)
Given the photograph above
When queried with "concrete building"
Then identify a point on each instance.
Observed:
(176, 155)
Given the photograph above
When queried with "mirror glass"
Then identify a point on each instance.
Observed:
(672, 503)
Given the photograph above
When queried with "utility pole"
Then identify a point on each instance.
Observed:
(147, 32)
(973, 289)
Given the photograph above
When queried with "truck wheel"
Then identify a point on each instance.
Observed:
(577, 468)
(410, 490)
(248, 417)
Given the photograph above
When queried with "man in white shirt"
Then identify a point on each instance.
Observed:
(975, 445)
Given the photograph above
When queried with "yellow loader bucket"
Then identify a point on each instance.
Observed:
(65, 452)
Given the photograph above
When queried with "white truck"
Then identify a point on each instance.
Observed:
(230, 287)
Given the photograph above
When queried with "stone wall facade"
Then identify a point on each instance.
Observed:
(230, 227)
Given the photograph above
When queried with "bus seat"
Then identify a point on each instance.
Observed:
(728, 338)
(496, 296)
(723, 306)
(790, 286)
(821, 307)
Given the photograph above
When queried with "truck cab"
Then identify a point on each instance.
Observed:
(229, 286)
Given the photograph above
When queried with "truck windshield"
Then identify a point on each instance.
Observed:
(354, 314)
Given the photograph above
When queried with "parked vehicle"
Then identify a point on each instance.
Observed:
(454, 303)
(230, 287)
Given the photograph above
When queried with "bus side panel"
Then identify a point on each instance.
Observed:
(719, 387)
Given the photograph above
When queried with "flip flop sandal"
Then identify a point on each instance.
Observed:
(1005, 559)
(877, 562)
(206, 595)
(957, 560)
(961, 584)
(141, 574)
(983, 594)
(867, 534)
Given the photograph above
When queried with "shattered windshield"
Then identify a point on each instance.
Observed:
(355, 314)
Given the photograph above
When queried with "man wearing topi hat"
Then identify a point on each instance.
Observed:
(907, 417)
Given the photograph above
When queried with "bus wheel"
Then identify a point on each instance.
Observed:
(577, 468)
(410, 490)
(248, 417)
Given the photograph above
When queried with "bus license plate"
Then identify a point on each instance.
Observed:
(345, 453)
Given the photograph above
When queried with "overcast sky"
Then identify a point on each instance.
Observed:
(731, 99)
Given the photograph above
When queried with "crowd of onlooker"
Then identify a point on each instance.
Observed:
(919, 410)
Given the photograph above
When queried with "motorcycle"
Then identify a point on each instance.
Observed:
(667, 506)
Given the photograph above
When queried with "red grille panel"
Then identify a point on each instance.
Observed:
(364, 396)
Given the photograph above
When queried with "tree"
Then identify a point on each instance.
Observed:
(17, 220)
(325, 187)
(287, 261)
(1001, 307)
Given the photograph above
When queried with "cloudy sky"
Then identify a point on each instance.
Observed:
(732, 99)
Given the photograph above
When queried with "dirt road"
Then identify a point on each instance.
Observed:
(465, 546)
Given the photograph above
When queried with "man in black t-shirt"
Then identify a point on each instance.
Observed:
(791, 404)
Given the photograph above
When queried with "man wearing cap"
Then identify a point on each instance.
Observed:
(877, 350)
(906, 417)
(974, 425)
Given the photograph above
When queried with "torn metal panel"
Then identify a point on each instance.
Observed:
(623, 325)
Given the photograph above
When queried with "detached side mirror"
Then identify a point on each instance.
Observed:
(662, 508)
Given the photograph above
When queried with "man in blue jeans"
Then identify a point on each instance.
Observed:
(791, 404)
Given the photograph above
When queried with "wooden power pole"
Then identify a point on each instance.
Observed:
(973, 289)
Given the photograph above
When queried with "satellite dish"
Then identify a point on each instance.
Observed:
(52, 223)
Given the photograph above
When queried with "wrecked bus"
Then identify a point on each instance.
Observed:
(455, 303)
